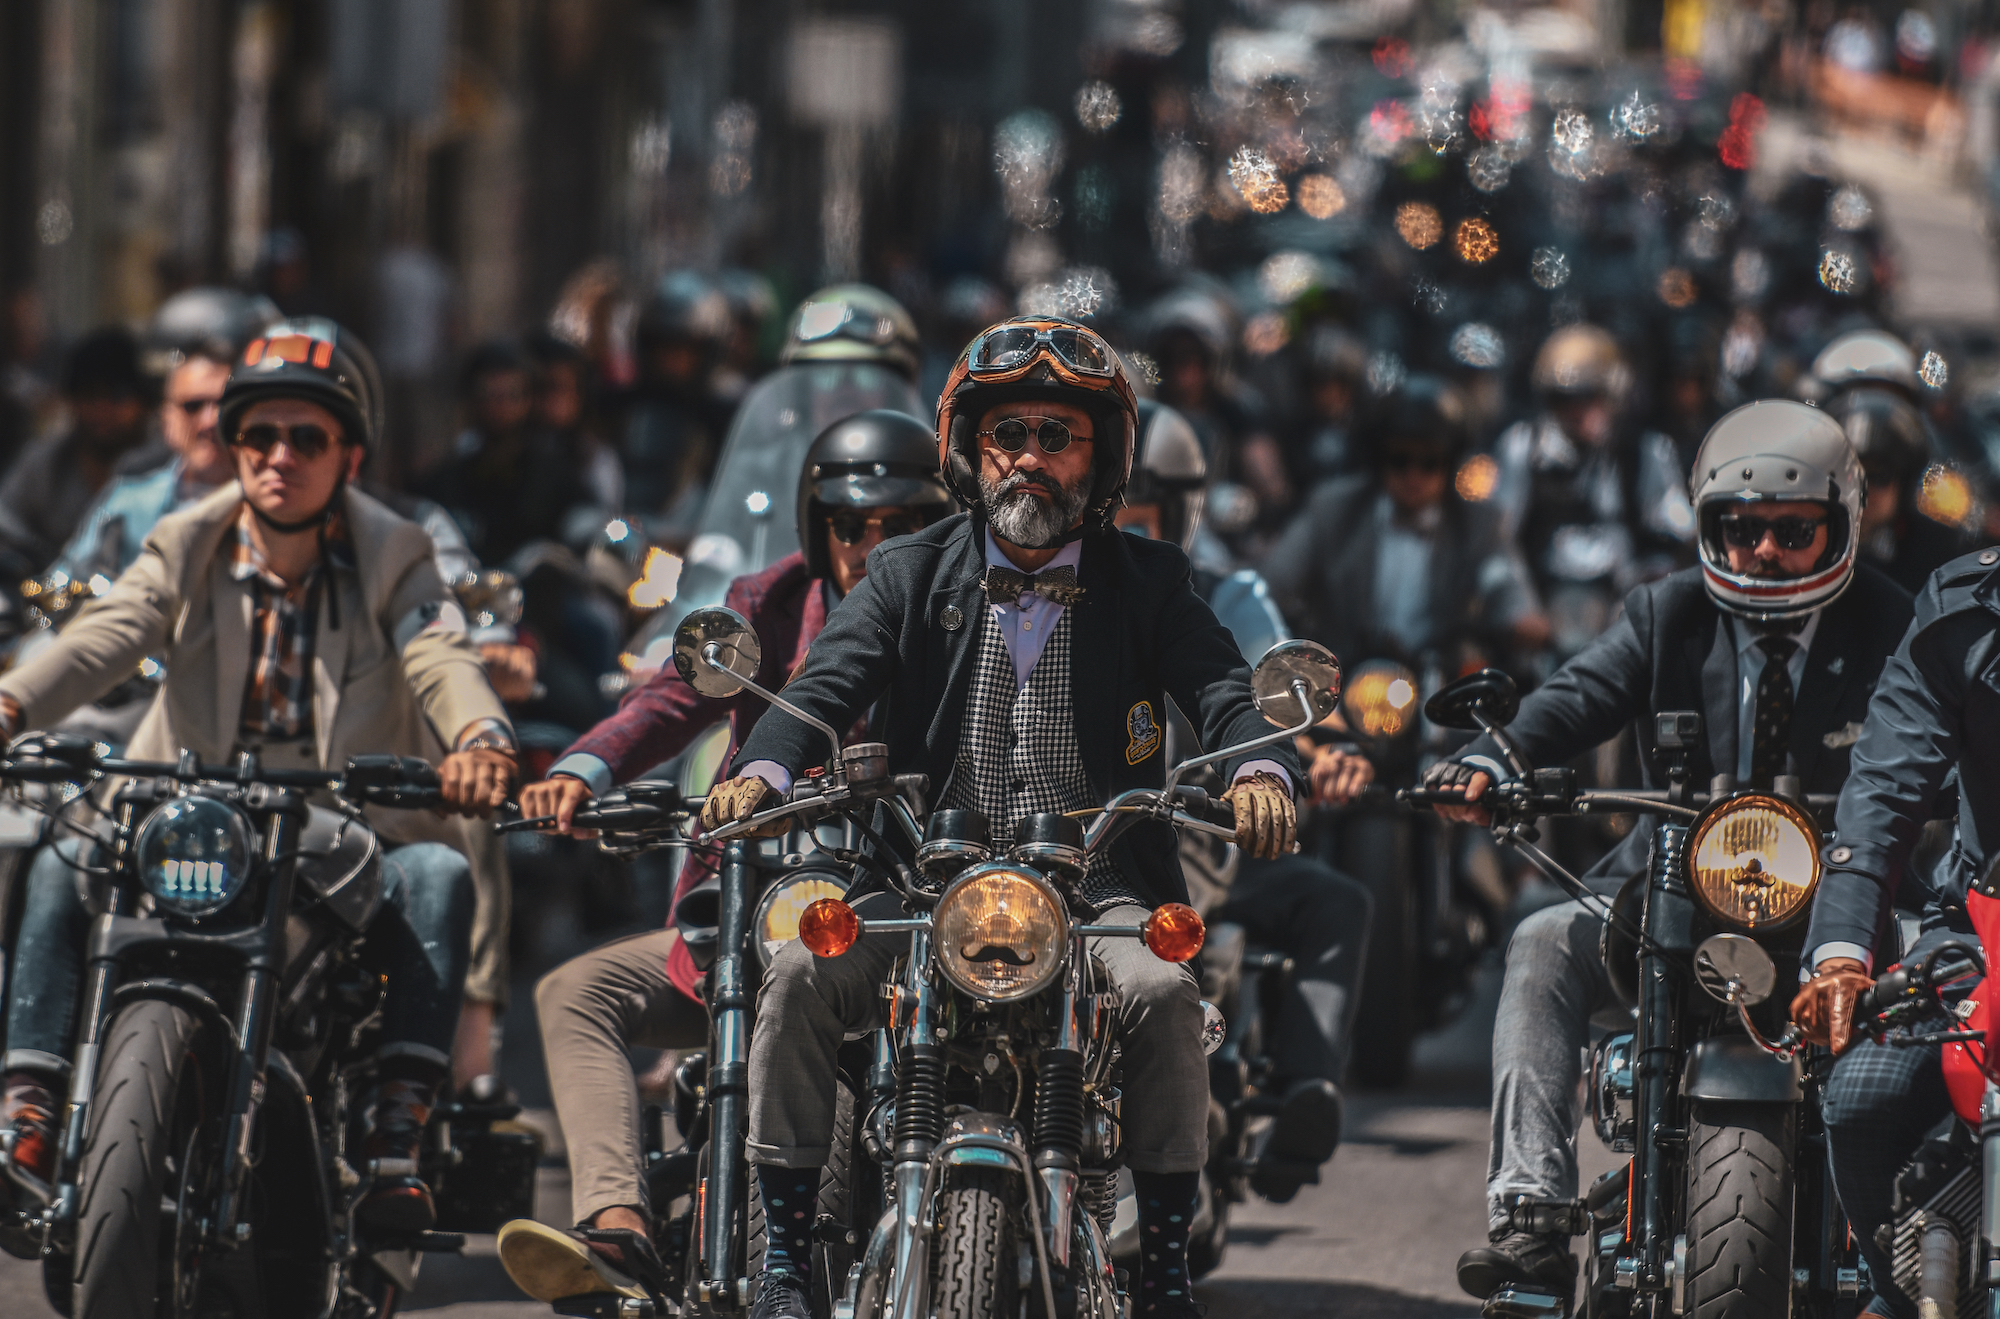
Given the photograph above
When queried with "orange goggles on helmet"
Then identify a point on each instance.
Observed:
(1008, 351)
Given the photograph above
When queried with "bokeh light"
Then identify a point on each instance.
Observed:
(1487, 169)
(1549, 267)
(1320, 196)
(1284, 276)
(1676, 288)
(1947, 496)
(1478, 345)
(1266, 333)
(1097, 106)
(1837, 272)
(1478, 477)
(1256, 178)
(1476, 241)
(1849, 209)
(1419, 224)
(1934, 370)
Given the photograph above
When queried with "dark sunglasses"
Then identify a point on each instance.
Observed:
(1747, 533)
(850, 526)
(1413, 462)
(1012, 434)
(194, 407)
(308, 441)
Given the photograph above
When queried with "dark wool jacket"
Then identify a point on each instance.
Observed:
(1671, 650)
(907, 637)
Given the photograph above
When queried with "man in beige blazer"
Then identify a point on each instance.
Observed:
(299, 617)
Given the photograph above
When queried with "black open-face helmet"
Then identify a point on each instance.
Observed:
(877, 459)
(314, 359)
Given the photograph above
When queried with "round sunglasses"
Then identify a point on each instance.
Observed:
(1051, 435)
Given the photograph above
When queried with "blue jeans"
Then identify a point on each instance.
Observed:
(421, 939)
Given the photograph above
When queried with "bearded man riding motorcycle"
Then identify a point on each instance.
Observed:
(865, 479)
(962, 638)
(1776, 638)
(1933, 712)
(301, 619)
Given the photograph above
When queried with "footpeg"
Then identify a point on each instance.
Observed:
(602, 1305)
(1543, 1218)
(1513, 1302)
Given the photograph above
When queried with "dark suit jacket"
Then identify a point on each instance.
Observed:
(1672, 651)
(907, 637)
(1938, 701)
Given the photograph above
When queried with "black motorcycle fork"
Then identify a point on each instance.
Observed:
(1668, 920)
(101, 979)
(723, 1195)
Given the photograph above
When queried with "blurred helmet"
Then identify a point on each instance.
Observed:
(1335, 354)
(1867, 357)
(1423, 409)
(219, 322)
(878, 459)
(105, 363)
(751, 298)
(1777, 450)
(1579, 360)
(1170, 471)
(1886, 430)
(1039, 357)
(685, 304)
(1196, 314)
(852, 323)
(314, 359)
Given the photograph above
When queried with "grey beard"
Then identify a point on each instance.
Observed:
(1021, 518)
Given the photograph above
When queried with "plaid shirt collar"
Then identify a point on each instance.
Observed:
(277, 693)
(247, 561)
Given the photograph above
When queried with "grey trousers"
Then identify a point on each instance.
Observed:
(591, 1008)
(1555, 982)
(810, 1003)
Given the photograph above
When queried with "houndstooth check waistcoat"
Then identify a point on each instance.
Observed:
(1018, 752)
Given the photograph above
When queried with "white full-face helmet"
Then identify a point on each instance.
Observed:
(1773, 450)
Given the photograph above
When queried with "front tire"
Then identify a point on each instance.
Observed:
(1739, 1217)
(975, 1268)
(149, 1108)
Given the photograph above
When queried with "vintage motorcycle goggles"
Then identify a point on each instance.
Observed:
(1007, 349)
(308, 441)
(825, 320)
(1791, 533)
(850, 525)
(1051, 436)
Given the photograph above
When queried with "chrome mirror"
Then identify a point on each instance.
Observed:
(1273, 682)
(712, 637)
(1734, 968)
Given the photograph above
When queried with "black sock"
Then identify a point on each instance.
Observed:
(1166, 1212)
(791, 1199)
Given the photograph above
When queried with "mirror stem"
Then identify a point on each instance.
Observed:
(711, 655)
(1508, 747)
(1301, 692)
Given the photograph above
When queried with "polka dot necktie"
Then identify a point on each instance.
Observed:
(1773, 725)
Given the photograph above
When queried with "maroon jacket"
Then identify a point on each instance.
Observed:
(656, 721)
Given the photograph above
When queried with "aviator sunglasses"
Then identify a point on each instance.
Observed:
(307, 440)
(1051, 435)
(1791, 533)
(850, 525)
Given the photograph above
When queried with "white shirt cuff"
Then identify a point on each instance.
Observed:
(1270, 767)
(771, 772)
(1838, 948)
(594, 772)
(1494, 769)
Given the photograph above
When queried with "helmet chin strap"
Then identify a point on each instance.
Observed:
(319, 522)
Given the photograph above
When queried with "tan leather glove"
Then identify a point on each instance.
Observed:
(738, 799)
(1265, 816)
(1824, 1007)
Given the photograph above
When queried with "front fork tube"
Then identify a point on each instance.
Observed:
(1058, 1180)
(1667, 925)
(1989, 1214)
(728, 1090)
(907, 1296)
(101, 979)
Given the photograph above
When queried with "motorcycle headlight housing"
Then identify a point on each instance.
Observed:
(1000, 932)
(777, 921)
(1753, 862)
(195, 855)
(1380, 699)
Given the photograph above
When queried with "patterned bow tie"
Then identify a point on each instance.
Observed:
(1005, 586)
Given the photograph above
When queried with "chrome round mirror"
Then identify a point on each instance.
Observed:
(722, 635)
(1293, 661)
(1724, 960)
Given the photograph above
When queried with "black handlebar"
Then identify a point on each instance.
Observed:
(396, 781)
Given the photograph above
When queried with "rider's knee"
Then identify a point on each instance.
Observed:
(435, 875)
(1550, 937)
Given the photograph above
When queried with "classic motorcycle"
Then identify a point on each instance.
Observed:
(1724, 1208)
(995, 1103)
(1943, 1236)
(228, 1029)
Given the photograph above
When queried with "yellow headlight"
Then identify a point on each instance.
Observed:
(1000, 932)
(1754, 862)
(1381, 699)
(777, 921)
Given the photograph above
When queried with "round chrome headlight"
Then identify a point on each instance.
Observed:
(1753, 862)
(778, 911)
(1381, 699)
(195, 855)
(1000, 932)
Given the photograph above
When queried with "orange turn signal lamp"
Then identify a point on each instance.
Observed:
(829, 927)
(1174, 932)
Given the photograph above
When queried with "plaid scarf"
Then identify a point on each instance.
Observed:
(277, 695)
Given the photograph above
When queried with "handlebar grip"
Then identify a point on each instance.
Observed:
(1891, 988)
(1197, 803)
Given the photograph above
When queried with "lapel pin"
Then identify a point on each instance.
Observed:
(1835, 667)
(952, 618)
